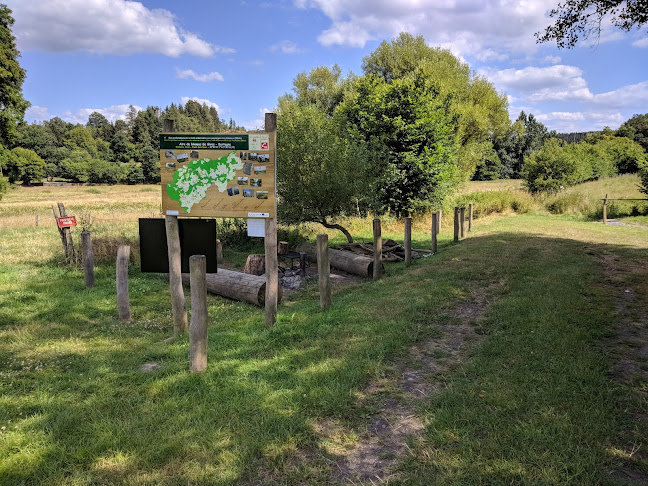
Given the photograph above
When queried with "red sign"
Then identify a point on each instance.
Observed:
(264, 145)
(67, 221)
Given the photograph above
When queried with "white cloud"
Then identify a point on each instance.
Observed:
(551, 59)
(634, 96)
(285, 47)
(112, 113)
(580, 121)
(203, 78)
(37, 113)
(489, 30)
(258, 123)
(104, 27)
(641, 42)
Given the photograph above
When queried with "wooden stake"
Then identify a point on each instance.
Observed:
(456, 224)
(324, 271)
(199, 314)
(67, 233)
(302, 263)
(435, 225)
(219, 252)
(408, 242)
(63, 240)
(123, 301)
(377, 244)
(178, 302)
(439, 221)
(272, 272)
(87, 255)
(605, 209)
(462, 217)
(37, 220)
(470, 217)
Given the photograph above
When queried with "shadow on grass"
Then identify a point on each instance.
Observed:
(532, 406)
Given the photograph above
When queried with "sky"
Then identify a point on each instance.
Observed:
(240, 56)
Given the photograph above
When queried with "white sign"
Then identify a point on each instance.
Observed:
(260, 142)
(256, 227)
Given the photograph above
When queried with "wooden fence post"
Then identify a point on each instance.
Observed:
(87, 255)
(439, 221)
(272, 272)
(219, 252)
(302, 263)
(605, 209)
(470, 217)
(123, 301)
(456, 224)
(324, 271)
(178, 302)
(37, 220)
(435, 221)
(408, 242)
(462, 217)
(377, 242)
(199, 314)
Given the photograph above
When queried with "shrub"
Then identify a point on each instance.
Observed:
(4, 186)
(25, 165)
(489, 202)
(573, 202)
(643, 173)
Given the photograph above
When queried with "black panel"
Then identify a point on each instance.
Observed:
(197, 237)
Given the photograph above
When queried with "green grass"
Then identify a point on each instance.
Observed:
(533, 403)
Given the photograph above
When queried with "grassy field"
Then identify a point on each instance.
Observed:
(518, 356)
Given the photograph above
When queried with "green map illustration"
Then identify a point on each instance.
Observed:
(190, 183)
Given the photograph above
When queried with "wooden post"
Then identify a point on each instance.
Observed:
(199, 315)
(272, 272)
(63, 241)
(180, 323)
(67, 234)
(377, 243)
(37, 220)
(219, 252)
(605, 209)
(282, 249)
(272, 263)
(168, 125)
(462, 217)
(87, 255)
(470, 217)
(456, 223)
(439, 221)
(408, 242)
(435, 221)
(302, 263)
(123, 301)
(324, 271)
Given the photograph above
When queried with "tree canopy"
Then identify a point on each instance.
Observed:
(576, 19)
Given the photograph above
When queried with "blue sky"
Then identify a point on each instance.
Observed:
(102, 55)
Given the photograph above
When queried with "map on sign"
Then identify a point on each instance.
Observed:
(190, 183)
(218, 175)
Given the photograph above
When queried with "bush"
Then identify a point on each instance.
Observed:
(4, 186)
(573, 202)
(134, 174)
(489, 202)
(25, 165)
(643, 173)
(104, 172)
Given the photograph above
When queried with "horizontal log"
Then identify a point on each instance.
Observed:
(236, 286)
(343, 260)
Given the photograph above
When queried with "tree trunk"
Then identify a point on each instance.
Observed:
(338, 227)
(236, 286)
(344, 260)
(255, 265)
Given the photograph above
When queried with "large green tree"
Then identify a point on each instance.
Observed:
(12, 76)
(25, 165)
(636, 129)
(576, 19)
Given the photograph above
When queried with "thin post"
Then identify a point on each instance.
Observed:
(87, 255)
(462, 217)
(219, 252)
(439, 221)
(456, 224)
(178, 302)
(199, 314)
(377, 243)
(302, 263)
(605, 209)
(435, 221)
(67, 233)
(408, 242)
(470, 217)
(123, 301)
(63, 240)
(272, 272)
(37, 220)
(324, 271)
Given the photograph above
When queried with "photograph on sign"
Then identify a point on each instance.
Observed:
(209, 170)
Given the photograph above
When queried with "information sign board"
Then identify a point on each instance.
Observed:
(226, 175)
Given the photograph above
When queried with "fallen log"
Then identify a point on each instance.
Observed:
(236, 286)
(343, 260)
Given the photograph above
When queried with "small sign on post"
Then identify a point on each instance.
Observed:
(67, 221)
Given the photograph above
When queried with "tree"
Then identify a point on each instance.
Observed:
(636, 129)
(410, 129)
(122, 149)
(39, 139)
(12, 76)
(626, 155)
(643, 174)
(322, 175)
(583, 18)
(100, 126)
(25, 165)
(150, 160)
(80, 137)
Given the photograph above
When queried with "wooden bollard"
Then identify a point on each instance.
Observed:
(324, 271)
(470, 217)
(438, 230)
(408, 242)
(272, 272)
(199, 314)
(123, 300)
(377, 242)
(605, 209)
(435, 220)
(219, 252)
(462, 217)
(87, 255)
(456, 223)
(302, 264)
(37, 220)
(178, 302)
